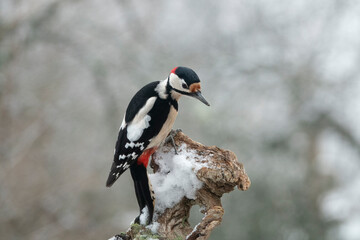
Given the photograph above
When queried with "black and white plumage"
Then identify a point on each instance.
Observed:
(148, 120)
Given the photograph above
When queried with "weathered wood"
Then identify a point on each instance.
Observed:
(220, 173)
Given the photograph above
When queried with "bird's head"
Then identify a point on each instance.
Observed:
(184, 81)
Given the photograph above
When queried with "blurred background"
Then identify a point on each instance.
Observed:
(282, 78)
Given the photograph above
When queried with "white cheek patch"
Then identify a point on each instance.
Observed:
(177, 83)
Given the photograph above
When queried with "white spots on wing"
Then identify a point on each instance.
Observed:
(141, 145)
(161, 89)
(132, 145)
(132, 155)
(116, 174)
(126, 165)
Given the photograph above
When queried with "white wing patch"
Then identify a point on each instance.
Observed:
(141, 121)
(135, 130)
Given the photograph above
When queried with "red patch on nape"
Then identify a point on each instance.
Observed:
(144, 157)
(173, 71)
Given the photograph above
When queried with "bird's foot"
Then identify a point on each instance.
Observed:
(145, 218)
(147, 221)
(137, 220)
(121, 236)
(170, 137)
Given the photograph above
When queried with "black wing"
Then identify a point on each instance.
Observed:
(139, 100)
(126, 151)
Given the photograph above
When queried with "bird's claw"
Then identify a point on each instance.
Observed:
(137, 220)
(121, 236)
(170, 137)
(176, 130)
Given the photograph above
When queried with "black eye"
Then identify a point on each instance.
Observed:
(184, 85)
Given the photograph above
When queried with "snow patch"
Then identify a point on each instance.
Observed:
(176, 177)
(144, 215)
(154, 226)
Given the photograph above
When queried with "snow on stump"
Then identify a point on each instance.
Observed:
(198, 175)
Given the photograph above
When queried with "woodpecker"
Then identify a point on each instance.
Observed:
(148, 120)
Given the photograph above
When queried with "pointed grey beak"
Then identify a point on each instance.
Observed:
(198, 95)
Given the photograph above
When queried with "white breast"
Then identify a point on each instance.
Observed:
(166, 128)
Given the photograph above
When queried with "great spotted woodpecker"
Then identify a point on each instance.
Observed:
(147, 122)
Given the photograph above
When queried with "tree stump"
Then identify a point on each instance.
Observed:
(197, 175)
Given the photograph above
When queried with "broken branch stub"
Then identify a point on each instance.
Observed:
(197, 175)
(219, 172)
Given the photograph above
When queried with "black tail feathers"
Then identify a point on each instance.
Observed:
(114, 174)
(143, 193)
(111, 179)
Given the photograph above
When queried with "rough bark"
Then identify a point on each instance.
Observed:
(221, 174)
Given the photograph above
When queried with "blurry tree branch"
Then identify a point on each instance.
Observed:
(325, 120)
(32, 23)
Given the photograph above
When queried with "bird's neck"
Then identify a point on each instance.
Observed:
(161, 89)
(172, 94)
(166, 92)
